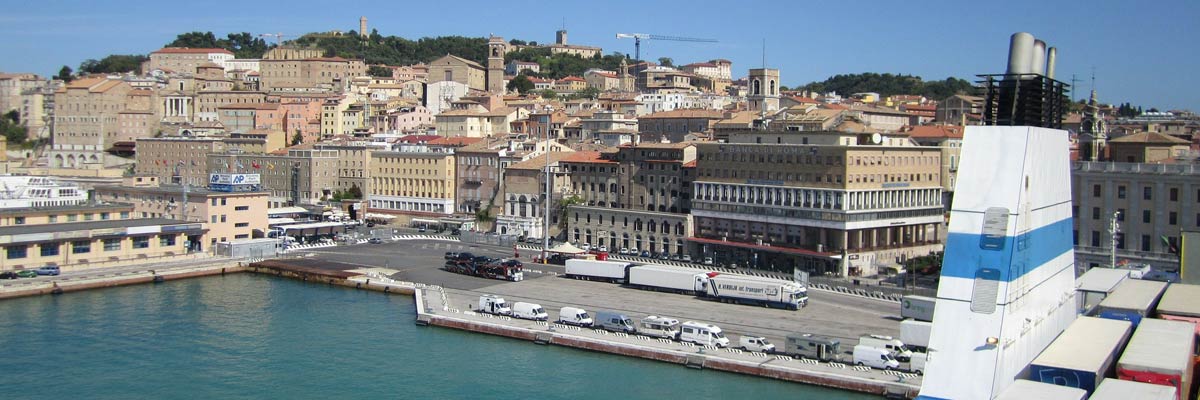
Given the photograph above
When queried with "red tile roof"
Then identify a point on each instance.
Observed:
(586, 157)
(189, 50)
(935, 132)
(454, 141)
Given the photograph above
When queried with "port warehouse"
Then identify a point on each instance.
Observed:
(735, 288)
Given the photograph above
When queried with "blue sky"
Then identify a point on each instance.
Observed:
(1142, 52)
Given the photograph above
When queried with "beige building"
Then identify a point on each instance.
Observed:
(227, 216)
(451, 68)
(299, 176)
(177, 159)
(111, 242)
(524, 209)
(324, 74)
(354, 165)
(477, 121)
(208, 103)
(1146, 147)
(841, 210)
(185, 60)
(86, 111)
(417, 182)
(947, 138)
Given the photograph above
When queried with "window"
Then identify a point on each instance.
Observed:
(81, 247)
(1146, 192)
(124, 214)
(223, 201)
(213, 202)
(241, 225)
(1095, 213)
(1174, 194)
(48, 249)
(1146, 216)
(53, 218)
(1173, 218)
(141, 242)
(241, 208)
(19, 220)
(89, 216)
(1095, 239)
(1145, 242)
(1120, 192)
(213, 219)
(1120, 214)
(165, 240)
(16, 251)
(1095, 190)
(72, 217)
(112, 244)
(104, 216)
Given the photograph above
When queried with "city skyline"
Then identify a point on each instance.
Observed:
(934, 42)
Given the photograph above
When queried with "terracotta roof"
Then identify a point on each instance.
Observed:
(454, 141)
(1149, 138)
(418, 138)
(586, 157)
(650, 145)
(538, 162)
(690, 164)
(572, 78)
(935, 132)
(460, 59)
(188, 50)
(803, 100)
(687, 113)
(250, 106)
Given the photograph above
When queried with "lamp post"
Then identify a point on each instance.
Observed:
(1114, 229)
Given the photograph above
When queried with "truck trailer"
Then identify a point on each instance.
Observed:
(1083, 355)
(917, 307)
(595, 270)
(667, 278)
(1132, 300)
(746, 289)
(915, 334)
(1022, 389)
(1160, 352)
(1118, 389)
(1181, 302)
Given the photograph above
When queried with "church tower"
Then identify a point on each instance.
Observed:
(495, 65)
(1093, 132)
(362, 26)
(763, 90)
(626, 79)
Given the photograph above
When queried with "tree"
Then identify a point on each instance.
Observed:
(379, 71)
(14, 116)
(666, 61)
(520, 84)
(114, 63)
(13, 132)
(354, 192)
(195, 39)
(297, 139)
(243, 45)
(590, 92)
(549, 94)
(65, 74)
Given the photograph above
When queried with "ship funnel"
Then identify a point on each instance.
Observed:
(1051, 57)
(1037, 60)
(1020, 50)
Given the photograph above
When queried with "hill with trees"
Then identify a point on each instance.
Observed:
(890, 84)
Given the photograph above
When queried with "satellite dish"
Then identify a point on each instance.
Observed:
(876, 138)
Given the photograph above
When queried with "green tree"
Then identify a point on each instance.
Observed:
(297, 139)
(65, 74)
(520, 84)
(589, 92)
(666, 61)
(379, 71)
(891, 84)
(195, 39)
(549, 94)
(243, 44)
(13, 115)
(13, 132)
(115, 63)
(354, 192)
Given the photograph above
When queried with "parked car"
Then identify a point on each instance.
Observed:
(450, 255)
(27, 273)
(586, 246)
(674, 257)
(370, 224)
(687, 258)
(532, 240)
(421, 229)
(8, 275)
(624, 251)
(664, 256)
(48, 270)
(645, 253)
(374, 240)
(708, 261)
(602, 248)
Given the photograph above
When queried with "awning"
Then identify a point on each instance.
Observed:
(772, 249)
(280, 221)
(287, 210)
(380, 216)
(425, 221)
(566, 248)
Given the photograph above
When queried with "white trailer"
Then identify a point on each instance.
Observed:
(915, 334)
(746, 289)
(667, 278)
(595, 270)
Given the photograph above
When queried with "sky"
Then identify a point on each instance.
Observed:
(1144, 53)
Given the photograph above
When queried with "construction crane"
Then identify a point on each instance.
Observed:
(278, 37)
(637, 40)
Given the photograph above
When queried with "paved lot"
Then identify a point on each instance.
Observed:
(832, 314)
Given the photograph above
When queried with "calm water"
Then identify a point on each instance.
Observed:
(249, 336)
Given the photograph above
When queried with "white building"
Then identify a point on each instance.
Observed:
(439, 95)
(244, 64)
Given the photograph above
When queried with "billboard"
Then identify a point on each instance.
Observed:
(234, 179)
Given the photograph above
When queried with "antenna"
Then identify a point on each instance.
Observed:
(1073, 82)
(1093, 78)
(764, 51)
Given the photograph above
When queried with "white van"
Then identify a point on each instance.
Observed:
(703, 334)
(574, 316)
(613, 321)
(756, 343)
(874, 357)
(493, 305)
(898, 349)
(531, 311)
(659, 327)
(916, 364)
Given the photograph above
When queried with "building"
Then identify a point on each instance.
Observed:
(719, 69)
(764, 90)
(177, 159)
(299, 176)
(524, 208)
(1155, 202)
(828, 209)
(881, 118)
(451, 68)
(603, 81)
(184, 60)
(561, 46)
(1093, 132)
(414, 182)
(672, 126)
(518, 67)
(86, 114)
(1147, 147)
(309, 75)
(495, 65)
(949, 139)
(226, 216)
(439, 96)
(477, 121)
(960, 110)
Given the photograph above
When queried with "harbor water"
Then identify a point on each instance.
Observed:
(252, 337)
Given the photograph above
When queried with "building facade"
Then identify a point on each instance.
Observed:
(417, 182)
(227, 216)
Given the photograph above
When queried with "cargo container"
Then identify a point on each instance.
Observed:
(915, 334)
(1094, 285)
(667, 278)
(1116, 389)
(1131, 301)
(1083, 355)
(610, 271)
(1022, 389)
(1160, 352)
(917, 307)
(1181, 302)
(746, 289)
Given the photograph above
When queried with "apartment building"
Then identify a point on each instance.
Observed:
(184, 60)
(415, 182)
(317, 74)
(226, 216)
(298, 176)
(177, 159)
(86, 111)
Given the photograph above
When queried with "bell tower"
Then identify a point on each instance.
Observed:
(1093, 133)
(763, 92)
(495, 65)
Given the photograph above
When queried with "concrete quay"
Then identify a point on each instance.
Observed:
(73, 281)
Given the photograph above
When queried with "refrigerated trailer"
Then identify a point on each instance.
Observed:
(1083, 355)
(1022, 389)
(595, 270)
(1131, 301)
(1181, 302)
(1160, 352)
(667, 278)
(746, 289)
(1117, 389)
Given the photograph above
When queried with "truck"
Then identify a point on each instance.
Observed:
(919, 308)
(1083, 354)
(746, 289)
(492, 304)
(1022, 389)
(1119, 389)
(574, 316)
(1160, 352)
(1131, 301)
(1181, 302)
(596, 270)
(915, 334)
(667, 278)
(507, 270)
(807, 345)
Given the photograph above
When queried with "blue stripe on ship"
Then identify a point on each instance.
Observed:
(1019, 255)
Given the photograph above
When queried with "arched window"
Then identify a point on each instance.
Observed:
(756, 87)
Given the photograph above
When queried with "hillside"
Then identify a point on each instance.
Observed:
(889, 84)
